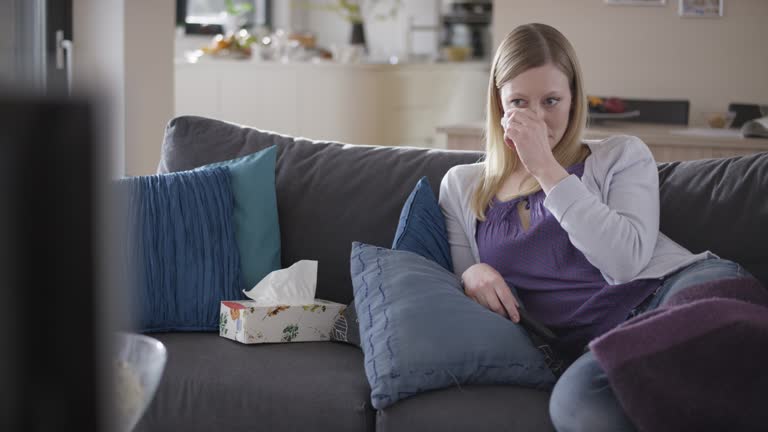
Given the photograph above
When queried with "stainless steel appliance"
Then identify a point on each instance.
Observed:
(468, 23)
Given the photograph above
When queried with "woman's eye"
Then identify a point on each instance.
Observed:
(517, 103)
(552, 101)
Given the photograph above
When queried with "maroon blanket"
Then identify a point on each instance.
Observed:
(698, 363)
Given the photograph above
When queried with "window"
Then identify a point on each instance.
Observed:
(204, 16)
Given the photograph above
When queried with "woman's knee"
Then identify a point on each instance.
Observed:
(701, 272)
(583, 400)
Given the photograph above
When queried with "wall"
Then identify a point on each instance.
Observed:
(651, 52)
(98, 71)
(149, 52)
(123, 57)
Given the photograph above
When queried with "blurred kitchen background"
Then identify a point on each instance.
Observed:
(382, 72)
(388, 72)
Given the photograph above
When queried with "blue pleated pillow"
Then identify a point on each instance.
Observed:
(182, 252)
(419, 332)
(199, 237)
(421, 228)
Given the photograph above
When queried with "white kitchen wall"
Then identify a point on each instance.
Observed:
(651, 52)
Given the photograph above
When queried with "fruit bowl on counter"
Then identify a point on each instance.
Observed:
(233, 45)
(719, 119)
(611, 108)
(278, 45)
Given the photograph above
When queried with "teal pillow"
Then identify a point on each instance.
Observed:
(419, 332)
(255, 214)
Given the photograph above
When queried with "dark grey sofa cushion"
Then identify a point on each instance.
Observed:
(720, 205)
(328, 194)
(470, 408)
(215, 384)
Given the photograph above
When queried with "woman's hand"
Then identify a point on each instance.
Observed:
(527, 133)
(483, 284)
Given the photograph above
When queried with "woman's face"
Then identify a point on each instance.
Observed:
(546, 91)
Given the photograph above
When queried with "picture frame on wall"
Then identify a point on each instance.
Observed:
(701, 8)
(636, 2)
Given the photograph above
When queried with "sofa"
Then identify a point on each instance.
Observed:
(330, 194)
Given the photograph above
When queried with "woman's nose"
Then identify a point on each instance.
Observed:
(537, 111)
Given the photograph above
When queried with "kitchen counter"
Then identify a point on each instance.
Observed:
(208, 61)
(667, 142)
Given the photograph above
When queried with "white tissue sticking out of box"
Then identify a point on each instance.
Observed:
(293, 286)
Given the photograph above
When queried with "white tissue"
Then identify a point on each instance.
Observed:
(293, 286)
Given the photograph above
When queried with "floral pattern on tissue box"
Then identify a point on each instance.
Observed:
(246, 322)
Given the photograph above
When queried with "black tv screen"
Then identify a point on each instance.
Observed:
(48, 308)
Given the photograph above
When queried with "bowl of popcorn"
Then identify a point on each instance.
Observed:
(719, 119)
(137, 365)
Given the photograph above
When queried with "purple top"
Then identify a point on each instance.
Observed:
(554, 280)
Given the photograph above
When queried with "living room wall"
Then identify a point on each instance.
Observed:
(124, 56)
(149, 35)
(651, 52)
(98, 71)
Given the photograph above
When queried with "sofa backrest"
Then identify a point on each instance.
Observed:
(719, 205)
(330, 194)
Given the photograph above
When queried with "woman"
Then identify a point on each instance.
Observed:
(567, 228)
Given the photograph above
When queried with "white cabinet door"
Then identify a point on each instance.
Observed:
(346, 104)
(360, 104)
(427, 97)
(264, 97)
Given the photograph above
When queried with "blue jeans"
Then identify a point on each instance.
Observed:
(582, 399)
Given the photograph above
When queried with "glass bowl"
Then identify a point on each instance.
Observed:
(719, 119)
(138, 363)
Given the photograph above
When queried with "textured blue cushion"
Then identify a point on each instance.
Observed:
(419, 331)
(421, 228)
(182, 252)
(256, 225)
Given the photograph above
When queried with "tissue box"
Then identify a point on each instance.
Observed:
(244, 321)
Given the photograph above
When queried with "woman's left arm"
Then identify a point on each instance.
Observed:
(617, 236)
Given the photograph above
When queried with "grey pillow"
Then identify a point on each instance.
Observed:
(419, 332)
(421, 230)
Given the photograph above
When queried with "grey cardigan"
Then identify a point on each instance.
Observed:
(611, 215)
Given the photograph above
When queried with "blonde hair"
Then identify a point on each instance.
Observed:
(526, 47)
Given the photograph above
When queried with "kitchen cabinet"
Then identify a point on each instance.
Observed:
(381, 104)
